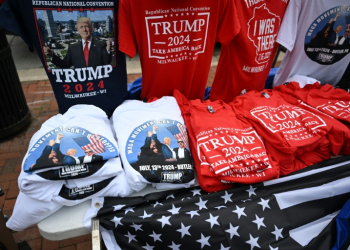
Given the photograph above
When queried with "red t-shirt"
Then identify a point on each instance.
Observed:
(289, 131)
(326, 102)
(175, 41)
(230, 147)
(325, 98)
(246, 61)
(205, 176)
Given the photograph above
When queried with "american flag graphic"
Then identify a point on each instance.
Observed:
(93, 142)
(296, 212)
(179, 132)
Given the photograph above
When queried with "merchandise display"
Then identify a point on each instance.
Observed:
(95, 74)
(317, 41)
(248, 67)
(258, 159)
(175, 41)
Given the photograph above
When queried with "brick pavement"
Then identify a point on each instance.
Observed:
(42, 105)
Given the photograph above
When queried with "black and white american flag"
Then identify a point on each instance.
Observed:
(293, 212)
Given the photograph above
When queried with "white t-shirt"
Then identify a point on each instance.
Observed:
(81, 127)
(29, 211)
(308, 32)
(136, 125)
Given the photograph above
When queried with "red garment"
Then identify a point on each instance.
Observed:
(246, 61)
(230, 147)
(320, 100)
(208, 184)
(86, 52)
(325, 98)
(290, 132)
(175, 41)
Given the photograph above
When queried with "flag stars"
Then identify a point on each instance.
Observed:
(259, 222)
(170, 196)
(227, 197)
(213, 220)
(224, 248)
(129, 209)
(148, 247)
(193, 213)
(204, 241)
(201, 204)
(277, 233)
(145, 215)
(253, 242)
(251, 191)
(232, 231)
(174, 246)
(272, 248)
(239, 211)
(164, 220)
(174, 210)
(136, 227)
(219, 207)
(131, 237)
(118, 207)
(184, 230)
(264, 203)
(117, 220)
(196, 192)
(157, 203)
(155, 237)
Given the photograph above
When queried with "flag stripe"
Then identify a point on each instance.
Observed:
(312, 229)
(93, 142)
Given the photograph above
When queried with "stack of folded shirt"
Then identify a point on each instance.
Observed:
(295, 133)
(153, 141)
(70, 159)
(227, 149)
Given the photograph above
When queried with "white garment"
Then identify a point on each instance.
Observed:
(181, 152)
(29, 211)
(78, 122)
(341, 41)
(302, 80)
(132, 121)
(118, 187)
(299, 25)
(87, 158)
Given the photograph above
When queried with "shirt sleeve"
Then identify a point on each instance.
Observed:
(228, 26)
(11, 21)
(289, 27)
(126, 37)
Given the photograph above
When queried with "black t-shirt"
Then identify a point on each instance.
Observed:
(96, 75)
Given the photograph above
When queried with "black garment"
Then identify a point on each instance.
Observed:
(93, 159)
(103, 83)
(44, 161)
(98, 55)
(187, 159)
(148, 154)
